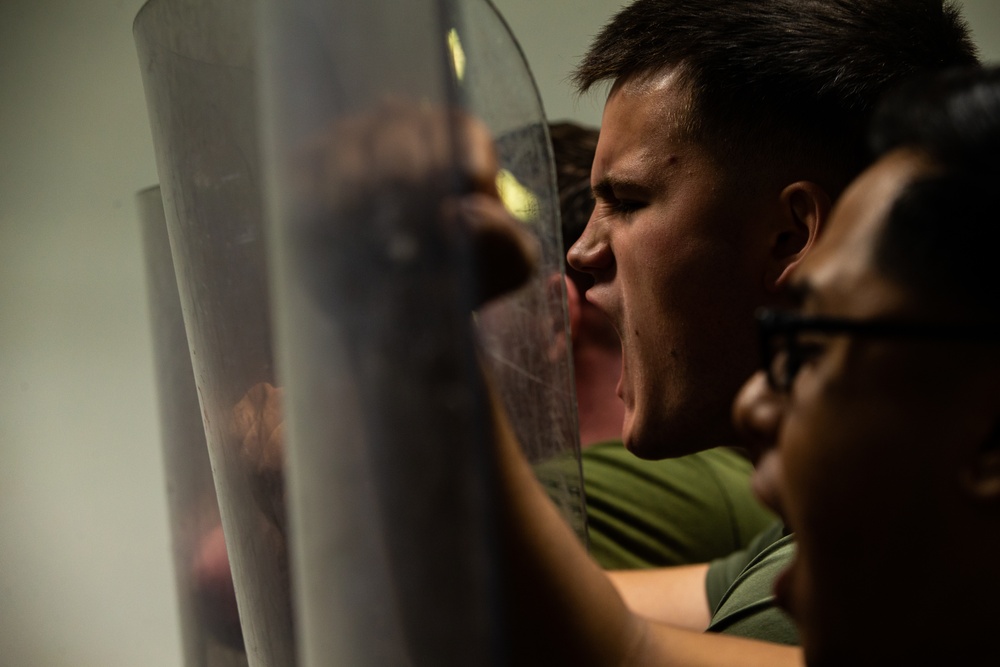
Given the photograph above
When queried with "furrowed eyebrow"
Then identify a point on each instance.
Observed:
(615, 188)
(603, 190)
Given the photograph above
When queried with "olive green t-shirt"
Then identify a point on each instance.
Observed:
(693, 509)
(677, 511)
(740, 589)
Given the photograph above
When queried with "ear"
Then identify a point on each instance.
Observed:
(981, 478)
(805, 207)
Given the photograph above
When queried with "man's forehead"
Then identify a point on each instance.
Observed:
(644, 125)
(659, 79)
(663, 93)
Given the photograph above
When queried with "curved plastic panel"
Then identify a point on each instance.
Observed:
(197, 68)
(209, 620)
(389, 477)
(389, 470)
(389, 458)
(525, 335)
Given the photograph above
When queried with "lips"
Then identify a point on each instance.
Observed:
(599, 298)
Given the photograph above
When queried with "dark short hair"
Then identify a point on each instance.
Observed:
(792, 82)
(936, 235)
(573, 147)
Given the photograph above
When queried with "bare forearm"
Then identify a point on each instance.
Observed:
(562, 608)
(672, 595)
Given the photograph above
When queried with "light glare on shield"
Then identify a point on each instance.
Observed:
(519, 200)
(457, 53)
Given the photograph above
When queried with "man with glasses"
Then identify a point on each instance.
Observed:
(876, 418)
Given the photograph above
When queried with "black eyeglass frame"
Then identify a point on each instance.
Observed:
(773, 325)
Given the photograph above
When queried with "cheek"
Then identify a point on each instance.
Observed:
(840, 449)
(828, 503)
(689, 283)
(865, 441)
(856, 479)
(646, 276)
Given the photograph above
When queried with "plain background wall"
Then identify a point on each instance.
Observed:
(85, 572)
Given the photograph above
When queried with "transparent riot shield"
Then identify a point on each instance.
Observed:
(196, 58)
(209, 620)
(525, 335)
(368, 143)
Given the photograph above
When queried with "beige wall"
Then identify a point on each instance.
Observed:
(84, 568)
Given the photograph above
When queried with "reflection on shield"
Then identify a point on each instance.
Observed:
(210, 626)
(310, 156)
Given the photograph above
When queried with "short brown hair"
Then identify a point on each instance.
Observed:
(790, 81)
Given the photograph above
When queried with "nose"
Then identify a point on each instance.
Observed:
(592, 252)
(757, 414)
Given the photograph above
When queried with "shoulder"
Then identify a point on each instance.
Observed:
(748, 608)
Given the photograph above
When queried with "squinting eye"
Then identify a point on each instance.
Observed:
(625, 206)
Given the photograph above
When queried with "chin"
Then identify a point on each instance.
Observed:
(646, 442)
(654, 442)
(641, 452)
(632, 437)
